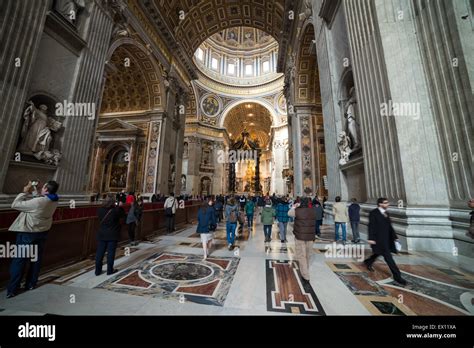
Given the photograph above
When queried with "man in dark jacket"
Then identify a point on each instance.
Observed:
(108, 234)
(303, 229)
(354, 217)
(319, 216)
(382, 239)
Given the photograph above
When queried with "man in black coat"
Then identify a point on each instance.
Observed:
(382, 239)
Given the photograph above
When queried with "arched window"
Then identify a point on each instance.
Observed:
(214, 63)
(265, 66)
(231, 67)
(248, 69)
(200, 54)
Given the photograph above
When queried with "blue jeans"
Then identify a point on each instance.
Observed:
(230, 228)
(355, 230)
(318, 227)
(249, 220)
(343, 226)
(110, 246)
(282, 227)
(267, 229)
(18, 263)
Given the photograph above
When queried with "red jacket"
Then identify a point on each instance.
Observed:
(130, 199)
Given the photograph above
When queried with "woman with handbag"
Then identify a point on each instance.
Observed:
(108, 234)
(206, 226)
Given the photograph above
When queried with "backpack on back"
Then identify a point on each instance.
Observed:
(233, 216)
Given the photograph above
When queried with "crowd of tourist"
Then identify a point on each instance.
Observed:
(237, 213)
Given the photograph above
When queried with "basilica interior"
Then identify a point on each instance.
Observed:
(314, 98)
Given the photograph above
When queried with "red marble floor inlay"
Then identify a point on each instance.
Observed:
(289, 289)
(204, 289)
(170, 257)
(383, 272)
(422, 305)
(360, 283)
(134, 279)
(431, 272)
(219, 262)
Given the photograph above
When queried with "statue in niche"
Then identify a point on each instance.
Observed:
(291, 70)
(352, 125)
(70, 9)
(183, 183)
(206, 185)
(37, 136)
(172, 172)
(344, 146)
(185, 150)
(206, 156)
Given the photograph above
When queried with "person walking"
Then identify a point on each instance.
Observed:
(303, 229)
(318, 208)
(268, 215)
(382, 239)
(219, 207)
(31, 227)
(282, 209)
(231, 215)
(249, 211)
(339, 209)
(354, 217)
(108, 235)
(134, 218)
(170, 212)
(242, 201)
(206, 226)
(260, 204)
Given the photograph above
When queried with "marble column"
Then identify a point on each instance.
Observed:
(79, 132)
(302, 156)
(98, 168)
(426, 69)
(327, 58)
(152, 154)
(22, 25)
(131, 167)
(383, 169)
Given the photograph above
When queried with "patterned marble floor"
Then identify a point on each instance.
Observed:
(166, 275)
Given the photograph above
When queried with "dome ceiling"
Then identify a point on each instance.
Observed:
(202, 19)
(242, 39)
(252, 117)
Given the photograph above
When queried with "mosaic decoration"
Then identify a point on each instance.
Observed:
(211, 105)
(152, 161)
(182, 277)
(430, 290)
(305, 124)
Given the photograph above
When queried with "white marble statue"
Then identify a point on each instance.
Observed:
(70, 8)
(173, 173)
(344, 146)
(183, 183)
(35, 134)
(352, 125)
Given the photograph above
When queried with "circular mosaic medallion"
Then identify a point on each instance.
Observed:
(281, 104)
(210, 105)
(181, 271)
